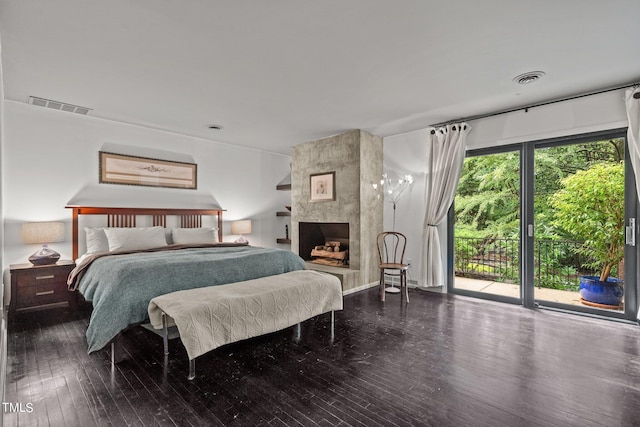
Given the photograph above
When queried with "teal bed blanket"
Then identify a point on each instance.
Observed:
(121, 286)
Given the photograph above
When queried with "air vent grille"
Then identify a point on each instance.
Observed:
(527, 78)
(57, 105)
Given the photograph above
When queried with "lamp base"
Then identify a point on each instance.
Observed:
(44, 256)
(241, 239)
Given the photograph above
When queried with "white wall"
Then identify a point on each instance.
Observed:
(583, 115)
(406, 153)
(50, 156)
(2, 113)
(3, 325)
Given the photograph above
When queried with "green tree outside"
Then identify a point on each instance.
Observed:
(590, 208)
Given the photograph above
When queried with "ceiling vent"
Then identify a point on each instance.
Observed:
(57, 105)
(530, 77)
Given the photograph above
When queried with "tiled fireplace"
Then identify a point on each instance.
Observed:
(356, 159)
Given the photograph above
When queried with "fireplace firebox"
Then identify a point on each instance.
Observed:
(324, 243)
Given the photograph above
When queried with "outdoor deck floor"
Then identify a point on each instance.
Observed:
(513, 290)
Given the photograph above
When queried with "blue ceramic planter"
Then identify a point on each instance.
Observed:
(607, 293)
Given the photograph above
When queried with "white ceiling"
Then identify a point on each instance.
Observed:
(280, 72)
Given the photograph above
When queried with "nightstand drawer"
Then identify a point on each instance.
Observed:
(41, 277)
(41, 294)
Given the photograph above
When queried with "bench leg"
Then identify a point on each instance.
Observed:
(165, 368)
(117, 352)
(165, 334)
(298, 332)
(192, 369)
(333, 322)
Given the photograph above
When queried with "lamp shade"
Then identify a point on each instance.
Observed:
(43, 232)
(241, 227)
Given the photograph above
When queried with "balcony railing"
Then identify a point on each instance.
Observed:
(556, 262)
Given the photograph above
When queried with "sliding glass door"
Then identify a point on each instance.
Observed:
(487, 225)
(579, 217)
(548, 223)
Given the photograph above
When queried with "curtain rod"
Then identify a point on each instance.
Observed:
(484, 116)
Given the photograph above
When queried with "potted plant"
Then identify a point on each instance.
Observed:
(590, 209)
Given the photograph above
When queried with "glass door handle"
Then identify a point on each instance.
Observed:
(630, 232)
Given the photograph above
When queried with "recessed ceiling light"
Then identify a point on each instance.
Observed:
(215, 127)
(530, 77)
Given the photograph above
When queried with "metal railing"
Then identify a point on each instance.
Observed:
(556, 262)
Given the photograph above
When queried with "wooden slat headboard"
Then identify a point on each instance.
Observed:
(126, 217)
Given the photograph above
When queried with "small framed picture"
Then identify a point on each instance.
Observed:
(322, 187)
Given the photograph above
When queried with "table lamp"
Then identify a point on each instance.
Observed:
(43, 232)
(241, 227)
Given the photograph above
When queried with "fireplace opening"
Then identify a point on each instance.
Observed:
(324, 243)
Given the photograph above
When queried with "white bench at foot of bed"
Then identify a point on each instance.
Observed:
(210, 317)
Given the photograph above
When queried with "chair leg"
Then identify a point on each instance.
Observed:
(382, 293)
(403, 282)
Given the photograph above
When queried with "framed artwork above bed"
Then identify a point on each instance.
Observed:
(133, 170)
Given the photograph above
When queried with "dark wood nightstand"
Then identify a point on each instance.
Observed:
(35, 287)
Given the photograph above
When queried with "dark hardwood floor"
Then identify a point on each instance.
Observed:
(440, 361)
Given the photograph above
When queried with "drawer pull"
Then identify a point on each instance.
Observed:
(39, 294)
(50, 276)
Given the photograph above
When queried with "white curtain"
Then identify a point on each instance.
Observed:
(633, 133)
(445, 156)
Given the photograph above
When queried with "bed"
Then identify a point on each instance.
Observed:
(121, 283)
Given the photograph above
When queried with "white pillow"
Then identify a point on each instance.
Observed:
(135, 238)
(96, 240)
(182, 236)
